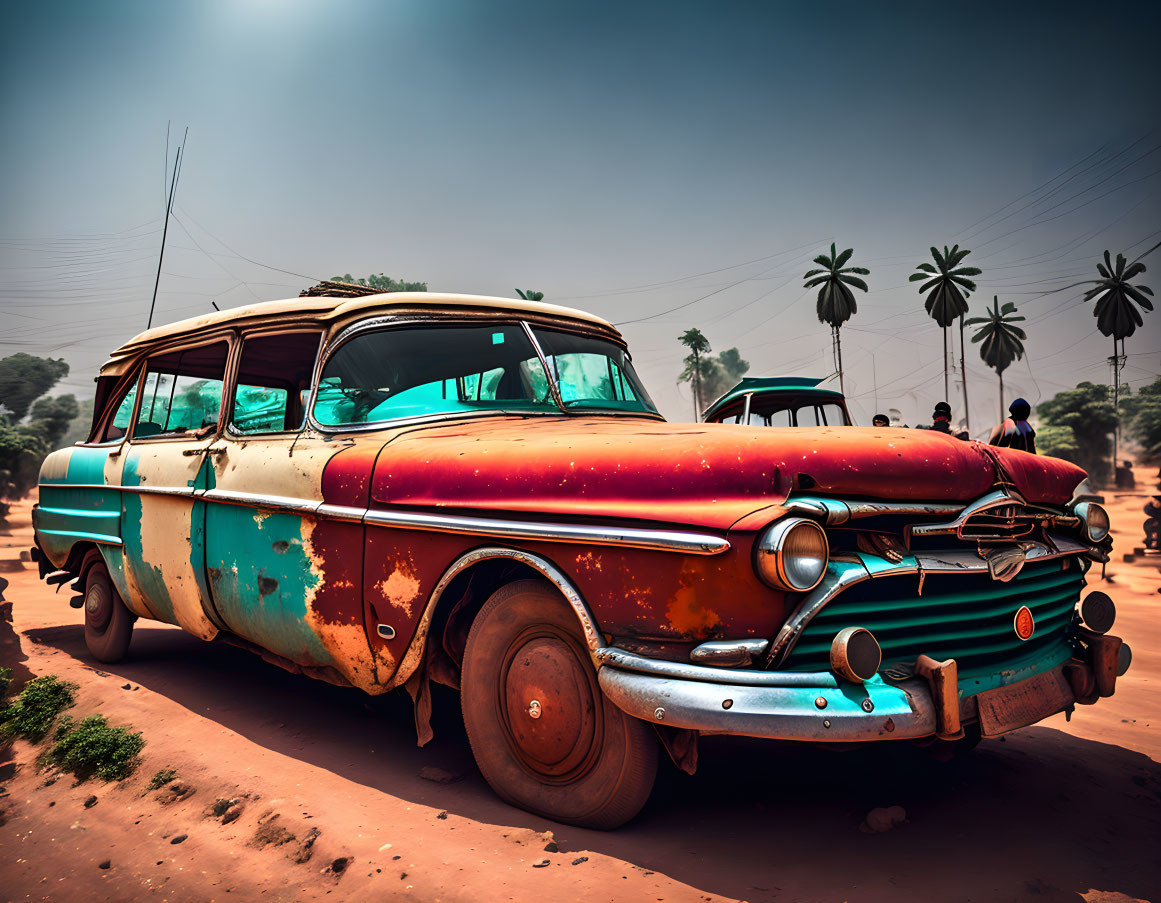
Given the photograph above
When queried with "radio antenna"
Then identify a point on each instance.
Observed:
(168, 212)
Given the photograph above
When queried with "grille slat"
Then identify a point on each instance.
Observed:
(967, 617)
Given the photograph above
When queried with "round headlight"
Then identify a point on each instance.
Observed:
(792, 554)
(1095, 519)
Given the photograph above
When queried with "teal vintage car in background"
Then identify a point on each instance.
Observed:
(780, 401)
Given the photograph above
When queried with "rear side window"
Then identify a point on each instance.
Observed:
(182, 392)
(118, 425)
(273, 382)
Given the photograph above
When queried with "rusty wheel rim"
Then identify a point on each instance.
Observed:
(549, 705)
(98, 606)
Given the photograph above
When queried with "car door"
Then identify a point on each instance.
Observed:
(165, 466)
(280, 575)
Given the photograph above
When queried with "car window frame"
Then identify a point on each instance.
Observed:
(111, 408)
(230, 387)
(231, 339)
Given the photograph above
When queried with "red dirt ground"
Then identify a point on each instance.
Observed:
(1051, 813)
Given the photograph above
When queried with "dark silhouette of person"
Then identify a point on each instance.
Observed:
(880, 420)
(1015, 431)
(941, 421)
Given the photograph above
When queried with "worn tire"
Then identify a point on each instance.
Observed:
(582, 761)
(108, 623)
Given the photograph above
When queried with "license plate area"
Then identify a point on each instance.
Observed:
(1018, 705)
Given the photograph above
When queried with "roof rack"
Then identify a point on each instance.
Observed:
(330, 289)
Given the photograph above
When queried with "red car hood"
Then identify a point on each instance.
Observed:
(709, 475)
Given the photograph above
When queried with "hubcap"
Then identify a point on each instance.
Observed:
(549, 705)
(98, 606)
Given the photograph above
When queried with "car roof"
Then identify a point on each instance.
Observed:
(798, 385)
(328, 309)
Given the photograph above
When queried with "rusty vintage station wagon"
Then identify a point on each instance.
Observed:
(387, 490)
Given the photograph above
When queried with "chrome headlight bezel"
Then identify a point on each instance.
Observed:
(780, 565)
(1095, 520)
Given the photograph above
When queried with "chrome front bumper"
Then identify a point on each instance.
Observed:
(783, 705)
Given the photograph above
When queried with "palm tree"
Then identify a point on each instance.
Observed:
(836, 302)
(945, 302)
(1117, 315)
(698, 345)
(530, 295)
(1002, 342)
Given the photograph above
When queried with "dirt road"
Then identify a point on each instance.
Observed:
(1056, 812)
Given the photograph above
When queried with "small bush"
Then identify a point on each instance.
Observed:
(163, 777)
(32, 713)
(5, 683)
(92, 747)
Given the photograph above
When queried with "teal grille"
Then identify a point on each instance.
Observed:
(967, 617)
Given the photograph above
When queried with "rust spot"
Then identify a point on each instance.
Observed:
(281, 547)
(266, 585)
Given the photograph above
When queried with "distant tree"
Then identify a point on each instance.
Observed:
(836, 302)
(720, 374)
(383, 283)
(698, 345)
(945, 301)
(51, 418)
(1143, 417)
(24, 378)
(78, 430)
(1002, 342)
(1087, 413)
(528, 295)
(1117, 314)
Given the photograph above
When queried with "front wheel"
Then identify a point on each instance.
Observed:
(542, 732)
(108, 623)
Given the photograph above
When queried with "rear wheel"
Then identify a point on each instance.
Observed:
(542, 732)
(108, 623)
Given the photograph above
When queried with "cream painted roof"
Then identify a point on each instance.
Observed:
(325, 310)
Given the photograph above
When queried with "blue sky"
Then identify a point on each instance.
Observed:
(589, 150)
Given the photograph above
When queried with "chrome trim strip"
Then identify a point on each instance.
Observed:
(261, 500)
(629, 661)
(340, 512)
(414, 655)
(837, 511)
(728, 653)
(848, 573)
(662, 540)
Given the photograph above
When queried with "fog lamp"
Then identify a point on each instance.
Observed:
(792, 554)
(1094, 518)
(855, 654)
(1098, 612)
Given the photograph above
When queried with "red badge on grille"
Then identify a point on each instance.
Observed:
(1024, 624)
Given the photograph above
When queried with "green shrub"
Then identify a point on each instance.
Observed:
(5, 677)
(32, 713)
(92, 747)
(163, 777)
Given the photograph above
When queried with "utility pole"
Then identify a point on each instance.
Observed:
(168, 212)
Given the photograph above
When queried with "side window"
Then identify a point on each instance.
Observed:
(183, 391)
(119, 424)
(273, 382)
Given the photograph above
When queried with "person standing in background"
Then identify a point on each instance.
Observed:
(1015, 431)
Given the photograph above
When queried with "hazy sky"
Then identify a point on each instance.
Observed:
(626, 158)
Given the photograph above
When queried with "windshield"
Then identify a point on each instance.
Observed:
(419, 371)
(593, 373)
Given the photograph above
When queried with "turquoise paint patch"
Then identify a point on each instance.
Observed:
(261, 576)
(69, 512)
(150, 581)
(1013, 672)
